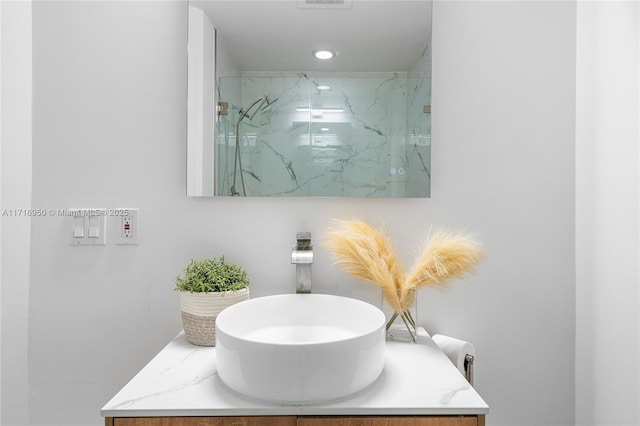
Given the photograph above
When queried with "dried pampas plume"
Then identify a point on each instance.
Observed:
(446, 256)
(368, 254)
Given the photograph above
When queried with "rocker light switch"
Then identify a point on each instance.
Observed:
(78, 226)
(94, 226)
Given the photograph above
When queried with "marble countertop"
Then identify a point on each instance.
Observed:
(418, 379)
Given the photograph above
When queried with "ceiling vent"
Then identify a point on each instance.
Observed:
(324, 4)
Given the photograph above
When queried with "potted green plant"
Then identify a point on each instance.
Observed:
(206, 288)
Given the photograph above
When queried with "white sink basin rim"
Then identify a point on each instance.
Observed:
(300, 348)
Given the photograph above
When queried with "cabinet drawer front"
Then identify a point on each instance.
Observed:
(205, 421)
(389, 421)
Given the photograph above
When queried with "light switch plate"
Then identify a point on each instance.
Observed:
(88, 227)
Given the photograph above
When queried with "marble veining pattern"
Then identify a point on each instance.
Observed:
(182, 381)
(365, 137)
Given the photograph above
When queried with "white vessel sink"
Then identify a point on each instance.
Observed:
(300, 348)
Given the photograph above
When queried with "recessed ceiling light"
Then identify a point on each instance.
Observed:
(323, 87)
(324, 54)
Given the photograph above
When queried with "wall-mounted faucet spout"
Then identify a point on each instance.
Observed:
(302, 257)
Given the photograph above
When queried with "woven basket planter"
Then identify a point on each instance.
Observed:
(199, 312)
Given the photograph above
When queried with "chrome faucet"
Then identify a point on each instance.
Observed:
(302, 257)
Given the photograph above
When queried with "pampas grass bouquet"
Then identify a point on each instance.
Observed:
(367, 253)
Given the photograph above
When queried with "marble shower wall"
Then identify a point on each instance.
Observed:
(360, 138)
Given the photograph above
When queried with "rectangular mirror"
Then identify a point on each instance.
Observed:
(268, 118)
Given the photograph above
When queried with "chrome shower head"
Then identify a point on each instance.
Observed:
(258, 105)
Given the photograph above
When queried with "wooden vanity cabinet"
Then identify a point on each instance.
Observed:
(299, 421)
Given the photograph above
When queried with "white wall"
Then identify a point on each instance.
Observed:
(1, 204)
(503, 163)
(15, 194)
(109, 117)
(607, 240)
(109, 130)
